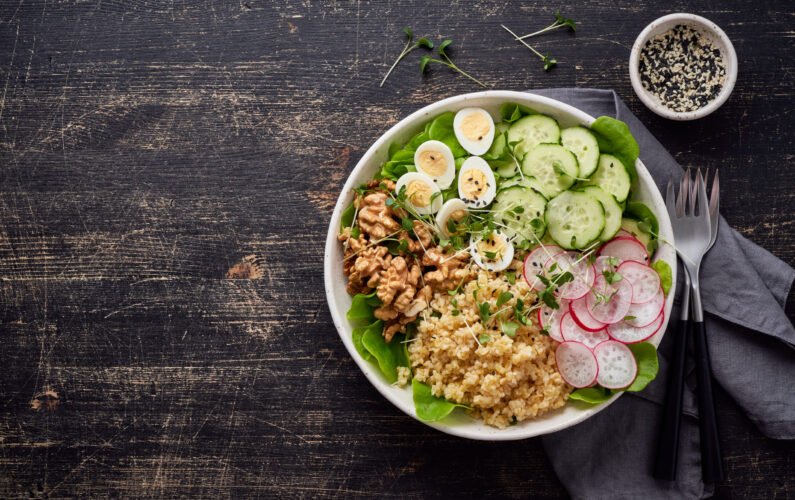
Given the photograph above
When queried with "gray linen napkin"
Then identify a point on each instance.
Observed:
(611, 455)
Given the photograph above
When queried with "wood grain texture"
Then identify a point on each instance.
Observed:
(146, 148)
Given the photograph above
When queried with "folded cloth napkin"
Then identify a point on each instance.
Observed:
(751, 345)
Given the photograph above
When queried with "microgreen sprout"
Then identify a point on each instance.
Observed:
(445, 60)
(560, 22)
(549, 61)
(422, 42)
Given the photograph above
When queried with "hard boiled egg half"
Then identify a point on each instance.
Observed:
(435, 159)
(474, 129)
(494, 253)
(453, 210)
(476, 184)
(422, 194)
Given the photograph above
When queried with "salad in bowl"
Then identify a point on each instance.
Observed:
(497, 265)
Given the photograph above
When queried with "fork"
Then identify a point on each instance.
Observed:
(711, 463)
(695, 235)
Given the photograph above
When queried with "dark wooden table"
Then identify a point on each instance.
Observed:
(167, 172)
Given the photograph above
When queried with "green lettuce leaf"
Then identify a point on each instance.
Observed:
(347, 217)
(615, 138)
(384, 353)
(591, 395)
(430, 408)
(648, 366)
(511, 111)
(361, 310)
(441, 129)
(666, 275)
(357, 335)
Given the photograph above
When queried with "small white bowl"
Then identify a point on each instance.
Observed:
(712, 32)
(460, 424)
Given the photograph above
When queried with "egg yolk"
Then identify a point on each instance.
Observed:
(432, 163)
(492, 245)
(475, 126)
(419, 193)
(473, 184)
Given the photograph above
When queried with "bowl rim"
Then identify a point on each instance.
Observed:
(705, 25)
(340, 322)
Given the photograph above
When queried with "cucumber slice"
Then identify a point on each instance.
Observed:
(611, 175)
(531, 131)
(581, 142)
(631, 226)
(575, 219)
(528, 225)
(612, 211)
(554, 166)
(528, 182)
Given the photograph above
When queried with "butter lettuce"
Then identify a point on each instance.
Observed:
(615, 138)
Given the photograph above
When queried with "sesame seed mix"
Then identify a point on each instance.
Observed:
(682, 68)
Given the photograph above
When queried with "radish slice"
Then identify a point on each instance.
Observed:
(602, 264)
(617, 365)
(583, 272)
(628, 334)
(549, 319)
(534, 264)
(576, 364)
(572, 331)
(625, 248)
(620, 298)
(644, 280)
(581, 316)
(644, 314)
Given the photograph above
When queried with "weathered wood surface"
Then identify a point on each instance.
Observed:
(148, 147)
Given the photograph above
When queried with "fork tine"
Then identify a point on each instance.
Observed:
(670, 199)
(701, 186)
(684, 190)
(714, 195)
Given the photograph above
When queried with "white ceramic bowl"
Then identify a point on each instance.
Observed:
(712, 32)
(459, 423)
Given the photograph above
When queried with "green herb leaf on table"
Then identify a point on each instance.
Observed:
(666, 275)
(430, 408)
(648, 365)
(422, 42)
(446, 61)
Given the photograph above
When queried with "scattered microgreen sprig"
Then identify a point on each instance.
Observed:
(560, 22)
(549, 61)
(444, 59)
(422, 42)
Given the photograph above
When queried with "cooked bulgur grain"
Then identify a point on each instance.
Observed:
(503, 379)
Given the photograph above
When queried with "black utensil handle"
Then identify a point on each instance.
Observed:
(668, 447)
(711, 462)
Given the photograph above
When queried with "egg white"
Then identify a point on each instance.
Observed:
(476, 146)
(410, 177)
(491, 265)
(484, 198)
(450, 207)
(446, 178)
